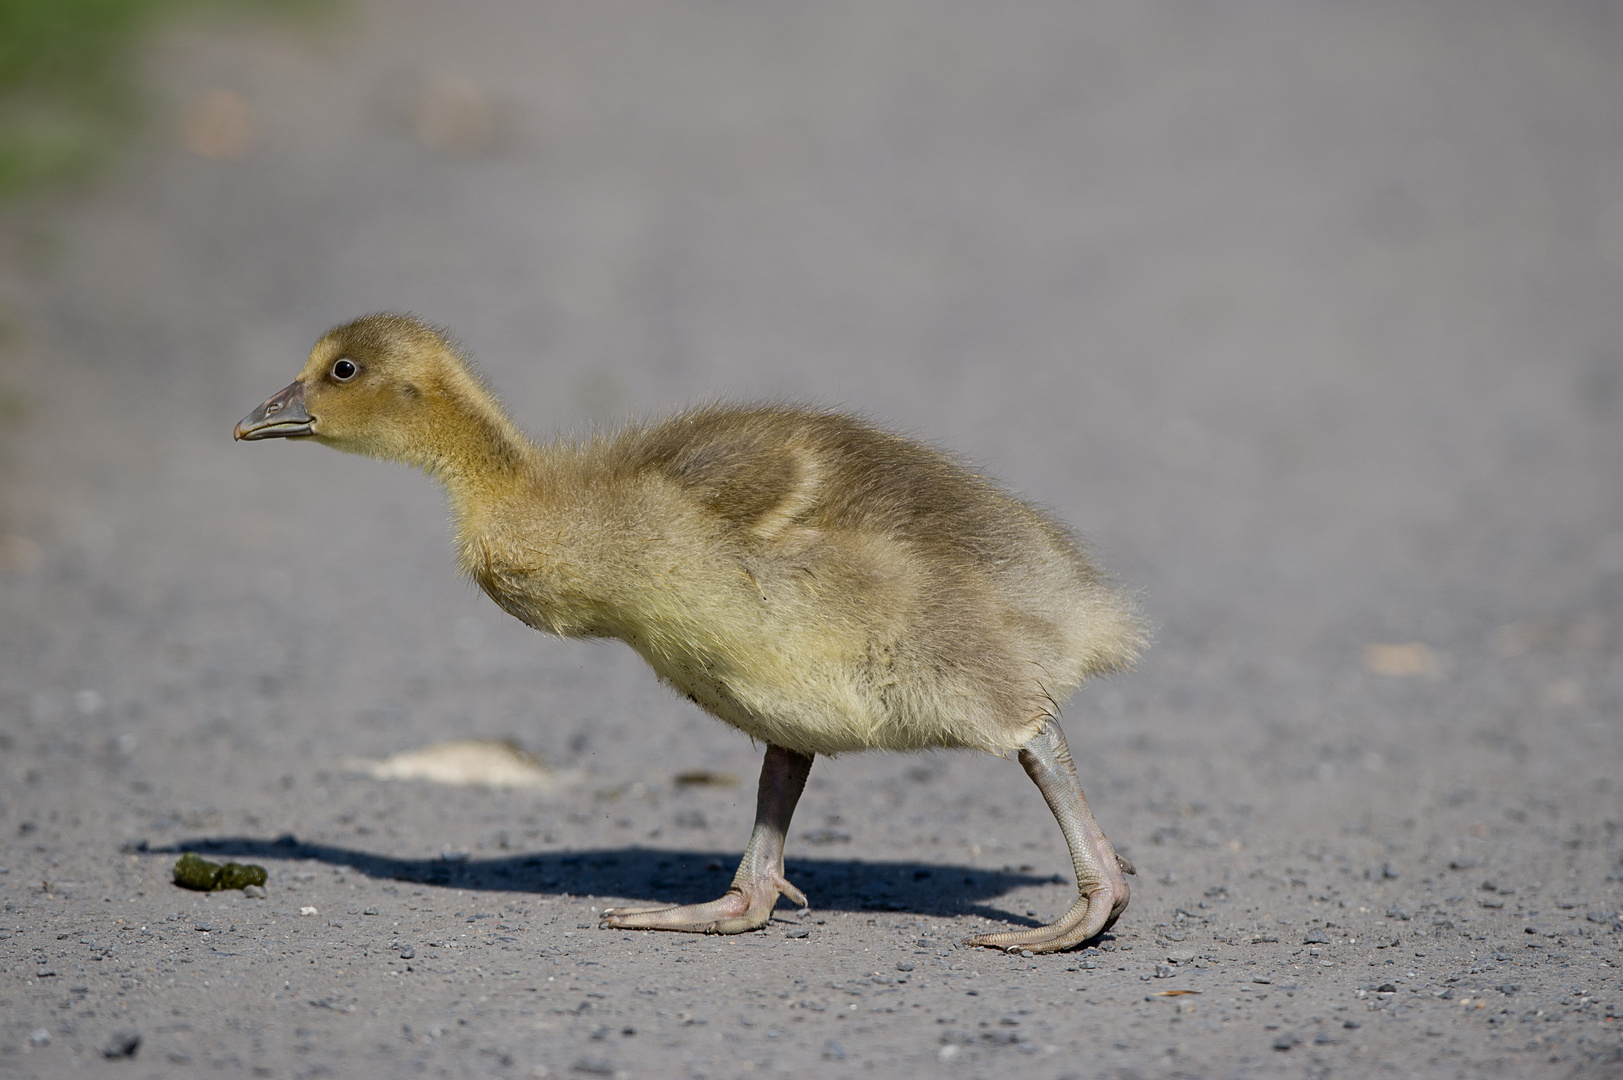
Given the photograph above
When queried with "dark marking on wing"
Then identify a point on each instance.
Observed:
(738, 467)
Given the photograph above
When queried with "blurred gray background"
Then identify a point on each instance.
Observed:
(1307, 316)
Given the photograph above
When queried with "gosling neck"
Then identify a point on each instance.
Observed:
(476, 453)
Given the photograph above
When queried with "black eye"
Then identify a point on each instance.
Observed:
(344, 370)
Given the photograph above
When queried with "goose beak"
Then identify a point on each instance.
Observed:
(282, 417)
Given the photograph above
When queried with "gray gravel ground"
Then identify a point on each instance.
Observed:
(1308, 315)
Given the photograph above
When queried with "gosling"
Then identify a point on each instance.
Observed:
(821, 585)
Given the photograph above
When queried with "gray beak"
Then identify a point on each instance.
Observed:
(282, 417)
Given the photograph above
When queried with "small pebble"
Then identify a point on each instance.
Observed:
(800, 932)
(122, 1044)
(904, 966)
(408, 953)
(307, 910)
(40, 1037)
(254, 892)
(1165, 971)
(369, 911)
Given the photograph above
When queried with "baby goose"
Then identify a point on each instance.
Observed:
(819, 584)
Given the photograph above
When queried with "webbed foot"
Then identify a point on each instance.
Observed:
(746, 906)
(1101, 874)
(759, 882)
(1093, 913)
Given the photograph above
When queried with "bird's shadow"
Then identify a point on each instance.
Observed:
(680, 877)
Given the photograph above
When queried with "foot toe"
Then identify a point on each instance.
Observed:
(1093, 913)
(733, 913)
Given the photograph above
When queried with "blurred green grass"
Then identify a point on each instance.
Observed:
(68, 96)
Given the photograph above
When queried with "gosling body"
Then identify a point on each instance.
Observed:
(820, 584)
(817, 583)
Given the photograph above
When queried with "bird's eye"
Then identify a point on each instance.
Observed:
(344, 370)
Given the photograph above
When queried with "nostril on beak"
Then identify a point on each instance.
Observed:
(274, 407)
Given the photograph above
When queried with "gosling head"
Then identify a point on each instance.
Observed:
(375, 386)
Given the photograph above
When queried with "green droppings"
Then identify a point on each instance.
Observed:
(239, 876)
(192, 871)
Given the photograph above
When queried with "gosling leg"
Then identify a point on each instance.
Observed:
(1101, 887)
(756, 886)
